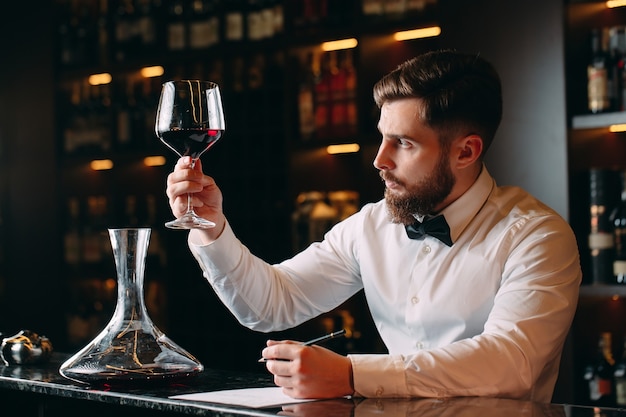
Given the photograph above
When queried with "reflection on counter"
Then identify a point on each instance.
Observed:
(429, 407)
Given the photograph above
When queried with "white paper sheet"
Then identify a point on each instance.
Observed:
(250, 397)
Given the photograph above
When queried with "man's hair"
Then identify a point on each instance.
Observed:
(461, 93)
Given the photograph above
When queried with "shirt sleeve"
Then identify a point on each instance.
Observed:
(268, 297)
(517, 355)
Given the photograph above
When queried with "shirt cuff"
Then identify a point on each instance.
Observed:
(213, 257)
(378, 376)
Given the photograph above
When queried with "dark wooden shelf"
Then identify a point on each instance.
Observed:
(593, 121)
(600, 290)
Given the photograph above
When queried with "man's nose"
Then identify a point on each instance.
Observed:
(382, 161)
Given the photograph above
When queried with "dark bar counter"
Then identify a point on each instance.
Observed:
(40, 391)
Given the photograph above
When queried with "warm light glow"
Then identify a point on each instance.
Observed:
(340, 44)
(618, 128)
(615, 297)
(154, 161)
(148, 72)
(101, 164)
(344, 148)
(99, 79)
(615, 3)
(417, 33)
(110, 284)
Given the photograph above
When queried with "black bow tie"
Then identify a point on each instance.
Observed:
(436, 227)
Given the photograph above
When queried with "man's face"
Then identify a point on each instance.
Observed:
(415, 168)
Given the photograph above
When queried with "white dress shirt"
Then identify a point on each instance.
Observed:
(485, 317)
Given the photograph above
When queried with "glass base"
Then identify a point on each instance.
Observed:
(190, 221)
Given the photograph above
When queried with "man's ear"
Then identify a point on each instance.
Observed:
(468, 150)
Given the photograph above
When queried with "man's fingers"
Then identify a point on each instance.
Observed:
(285, 350)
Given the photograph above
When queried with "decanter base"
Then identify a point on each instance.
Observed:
(129, 378)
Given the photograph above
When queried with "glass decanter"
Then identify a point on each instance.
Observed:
(131, 348)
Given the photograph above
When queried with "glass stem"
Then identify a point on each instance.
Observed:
(189, 205)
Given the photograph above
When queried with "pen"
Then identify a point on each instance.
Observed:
(318, 340)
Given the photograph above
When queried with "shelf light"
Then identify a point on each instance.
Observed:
(149, 72)
(428, 32)
(343, 148)
(615, 3)
(617, 128)
(99, 79)
(154, 161)
(101, 164)
(339, 44)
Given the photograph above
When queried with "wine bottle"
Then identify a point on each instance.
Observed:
(620, 378)
(156, 249)
(620, 46)
(310, 14)
(147, 39)
(149, 103)
(91, 241)
(338, 93)
(255, 89)
(234, 21)
(204, 28)
(322, 98)
(306, 106)
(177, 28)
(616, 67)
(124, 133)
(237, 115)
(254, 20)
(87, 34)
(65, 35)
(618, 220)
(256, 73)
(215, 71)
(278, 17)
(601, 183)
(104, 116)
(72, 243)
(597, 74)
(71, 123)
(266, 19)
(275, 84)
(599, 374)
(372, 8)
(131, 217)
(103, 33)
(351, 92)
(124, 27)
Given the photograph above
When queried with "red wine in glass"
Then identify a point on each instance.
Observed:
(191, 142)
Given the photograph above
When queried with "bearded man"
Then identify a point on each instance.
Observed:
(471, 286)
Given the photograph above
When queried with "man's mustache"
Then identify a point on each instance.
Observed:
(385, 176)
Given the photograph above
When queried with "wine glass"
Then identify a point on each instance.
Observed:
(189, 120)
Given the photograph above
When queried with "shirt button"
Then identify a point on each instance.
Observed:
(415, 300)
(419, 345)
(426, 249)
(379, 391)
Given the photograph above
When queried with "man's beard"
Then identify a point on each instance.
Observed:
(422, 197)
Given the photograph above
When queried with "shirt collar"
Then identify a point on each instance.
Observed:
(461, 212)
